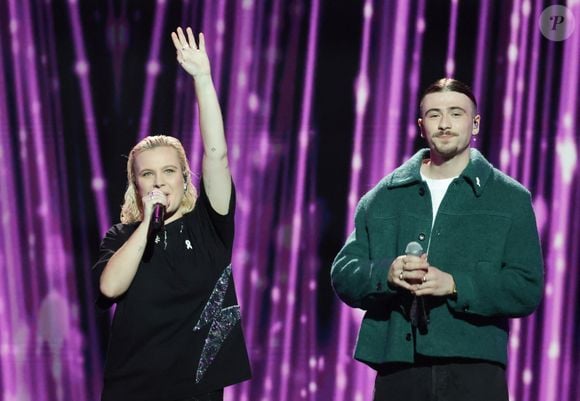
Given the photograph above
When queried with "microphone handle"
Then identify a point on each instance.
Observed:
(418, 312)
(158, 216)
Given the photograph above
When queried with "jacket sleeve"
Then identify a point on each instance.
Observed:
(358, 280)
(513, 288)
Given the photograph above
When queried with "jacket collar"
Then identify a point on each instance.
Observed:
(476, 173)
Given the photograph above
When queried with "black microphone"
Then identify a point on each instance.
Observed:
(158, 216)
(418, 312)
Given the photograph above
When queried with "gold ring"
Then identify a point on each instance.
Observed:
(425, 279)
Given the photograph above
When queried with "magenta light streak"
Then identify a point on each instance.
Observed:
(82, 70)
(285, 111)
(236, 119)
(302, 149)
(539, 202)
(516, 144)
(64, 343)
(571, 289)
(482, 53)
(24, 371)
(54, 260)
(393, 112)
(10, 301)
(414, 90)
(376, 139)
(237, 111)
(257, 265)
(518, 385)
(47, 260)
(305, 385)
(309, 292)
(557, 263)
(450, 61)
(532, 83)
(249, 145)
(508, 101)
(522, 64)
(345, 327)
(153, 67)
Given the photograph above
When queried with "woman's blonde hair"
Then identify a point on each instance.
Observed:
(132, 209)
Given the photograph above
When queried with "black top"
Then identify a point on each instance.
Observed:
(176, 331)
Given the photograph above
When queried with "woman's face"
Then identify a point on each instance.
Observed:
(159, 168)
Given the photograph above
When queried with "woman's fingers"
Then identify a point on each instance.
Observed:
(191, 38)
(175, 41)
(182, 39)
(202, 42)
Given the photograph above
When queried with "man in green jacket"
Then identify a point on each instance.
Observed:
(436, 325)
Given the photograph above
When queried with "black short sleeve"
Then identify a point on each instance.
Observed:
(114, 239)
(223, 224)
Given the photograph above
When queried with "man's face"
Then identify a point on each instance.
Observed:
(447, 122)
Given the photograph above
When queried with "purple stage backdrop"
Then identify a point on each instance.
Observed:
(320, 102)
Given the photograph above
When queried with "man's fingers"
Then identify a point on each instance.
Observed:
(404, 284)
(426, 288)
(413, 274)
(419, 267)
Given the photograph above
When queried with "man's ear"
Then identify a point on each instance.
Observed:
(420, 124)
(476, 120)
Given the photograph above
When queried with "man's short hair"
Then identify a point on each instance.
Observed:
(450, 85)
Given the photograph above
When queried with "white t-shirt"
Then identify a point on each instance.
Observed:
(438, 188)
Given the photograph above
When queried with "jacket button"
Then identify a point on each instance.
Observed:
(421, 237)
(421, 191)
(408, 337)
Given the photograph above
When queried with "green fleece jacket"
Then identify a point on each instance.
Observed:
(484, 235)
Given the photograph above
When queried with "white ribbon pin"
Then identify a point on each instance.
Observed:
(188, 244)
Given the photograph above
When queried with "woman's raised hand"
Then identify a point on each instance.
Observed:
(191, 57)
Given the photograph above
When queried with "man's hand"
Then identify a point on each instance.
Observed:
(435, 282)
(407, 271)
(414, 274)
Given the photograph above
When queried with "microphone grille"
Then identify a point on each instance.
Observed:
(414, 248)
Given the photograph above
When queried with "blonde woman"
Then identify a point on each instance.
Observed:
(176, 334)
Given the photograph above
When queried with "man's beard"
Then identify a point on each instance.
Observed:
(447, 151)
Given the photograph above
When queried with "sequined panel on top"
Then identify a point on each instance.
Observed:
(222, 321)
(220, 328)
(216, 299)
